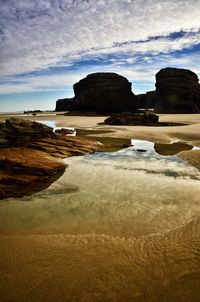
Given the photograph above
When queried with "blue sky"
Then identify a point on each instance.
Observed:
(48, 45)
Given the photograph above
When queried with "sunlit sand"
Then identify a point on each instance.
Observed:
(130, 232)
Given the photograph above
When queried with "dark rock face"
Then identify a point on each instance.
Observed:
(104, 93)
(146, 119)
(82, 113)
(150, 99)
(147, 100)
(64, 104)
(141, 100)
(177, 91)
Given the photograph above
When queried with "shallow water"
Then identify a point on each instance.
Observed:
(127, 193)
(30, 114)
(52, 124)
(129, 233)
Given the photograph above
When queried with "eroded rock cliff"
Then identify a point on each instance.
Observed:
(177, 91)
(104, 93)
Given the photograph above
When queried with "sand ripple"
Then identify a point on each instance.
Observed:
(125, 230)
(93, 267)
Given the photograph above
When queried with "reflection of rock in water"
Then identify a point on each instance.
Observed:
(60, 188)
(171, 149)
(163, 267)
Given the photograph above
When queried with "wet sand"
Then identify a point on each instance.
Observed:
(189, 133)
(91, 268)
(161, 134)
(163, 266)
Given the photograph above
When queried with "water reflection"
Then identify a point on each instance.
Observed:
(125, 193)
(92, 254)
(161, 149)
(52, 124)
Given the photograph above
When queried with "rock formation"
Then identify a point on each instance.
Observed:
(171, 149)
(18, 132)
(104, 93)
(146, 100)
(65, 146)
(127, 118)
(24, 171)
(177, 91)
(141, 100)
(64, 104)
(33, 167)
(65, 131)
(150, 99)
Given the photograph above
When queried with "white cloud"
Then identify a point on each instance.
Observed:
(140, 74)
(38, 34)
(40, 83)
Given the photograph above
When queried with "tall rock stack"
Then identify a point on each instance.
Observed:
(141, 100)
(104, 93)
(146, 100)
(177, 91)
(64, 104)
(150, 99)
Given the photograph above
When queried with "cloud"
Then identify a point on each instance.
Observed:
(141, 74)
(37, 34)
(39, 83)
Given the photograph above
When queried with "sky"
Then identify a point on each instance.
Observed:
(48, 45)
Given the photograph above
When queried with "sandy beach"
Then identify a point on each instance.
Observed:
(190, 132)
(100, 267)
(100, 151)
(163, 267)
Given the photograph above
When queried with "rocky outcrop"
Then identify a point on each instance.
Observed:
(34, 167)
(141, 100)
(64, 104)
(147, 100)
(177, 91)
(65, 146)
(18, 132)
(64, 131)
(171, 149)
(104, 93)
(146, 119)
(24, 171)
(150, 99)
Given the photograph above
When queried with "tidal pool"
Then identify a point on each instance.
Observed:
(117, 226)
(128, 193)
(52, 124)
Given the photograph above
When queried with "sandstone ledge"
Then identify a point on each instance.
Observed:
(33, 167)
(25, 171)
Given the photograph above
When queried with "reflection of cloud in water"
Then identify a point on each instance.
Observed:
(125, 193)
(149, 162)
